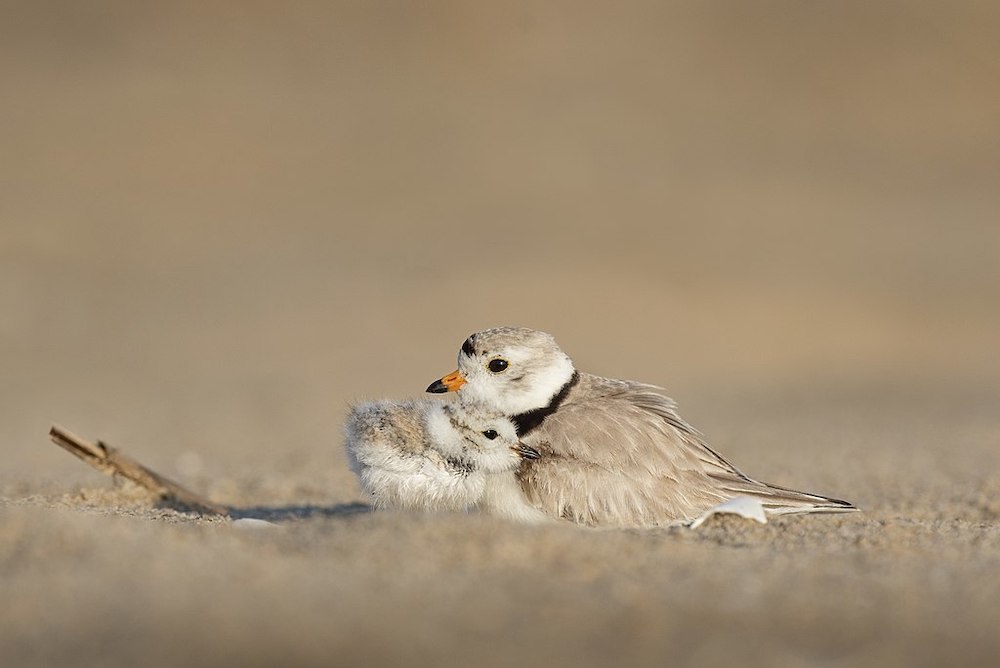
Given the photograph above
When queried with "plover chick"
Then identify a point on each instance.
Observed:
(613, 452)
(433, 455)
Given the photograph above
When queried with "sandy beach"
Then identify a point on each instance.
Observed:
(222, 225)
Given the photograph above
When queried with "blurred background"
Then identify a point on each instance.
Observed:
(221, 223)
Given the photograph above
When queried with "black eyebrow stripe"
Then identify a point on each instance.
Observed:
(467, 347)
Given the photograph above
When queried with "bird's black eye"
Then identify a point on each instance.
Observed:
(490, 434)
(497, 365)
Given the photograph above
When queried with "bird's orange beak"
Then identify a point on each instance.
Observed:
(449, 383)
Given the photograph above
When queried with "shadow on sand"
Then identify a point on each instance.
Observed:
(297, 512)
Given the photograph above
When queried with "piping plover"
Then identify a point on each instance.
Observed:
(429, 455)
(613, 452)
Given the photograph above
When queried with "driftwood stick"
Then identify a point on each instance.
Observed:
(108, 460)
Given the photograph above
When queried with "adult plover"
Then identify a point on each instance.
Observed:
(612, 452)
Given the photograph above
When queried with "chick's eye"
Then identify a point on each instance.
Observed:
(490, 434)
(497, 365)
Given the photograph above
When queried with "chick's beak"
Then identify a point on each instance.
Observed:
(449, 383)
(526, 451)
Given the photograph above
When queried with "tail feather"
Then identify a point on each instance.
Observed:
(783, 501)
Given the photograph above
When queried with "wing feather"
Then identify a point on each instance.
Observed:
(617, 453)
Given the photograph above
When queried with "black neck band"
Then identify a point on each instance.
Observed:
(530, 420)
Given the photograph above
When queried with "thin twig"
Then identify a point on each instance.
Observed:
(112, 462)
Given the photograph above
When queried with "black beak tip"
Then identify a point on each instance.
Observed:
(437, 387)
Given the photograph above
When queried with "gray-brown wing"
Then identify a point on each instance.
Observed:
(724, 476)
(617, 454)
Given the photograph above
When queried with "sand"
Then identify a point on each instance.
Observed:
(221, 225)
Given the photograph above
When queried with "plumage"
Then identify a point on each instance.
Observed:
(428, 455)
(612, 452)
